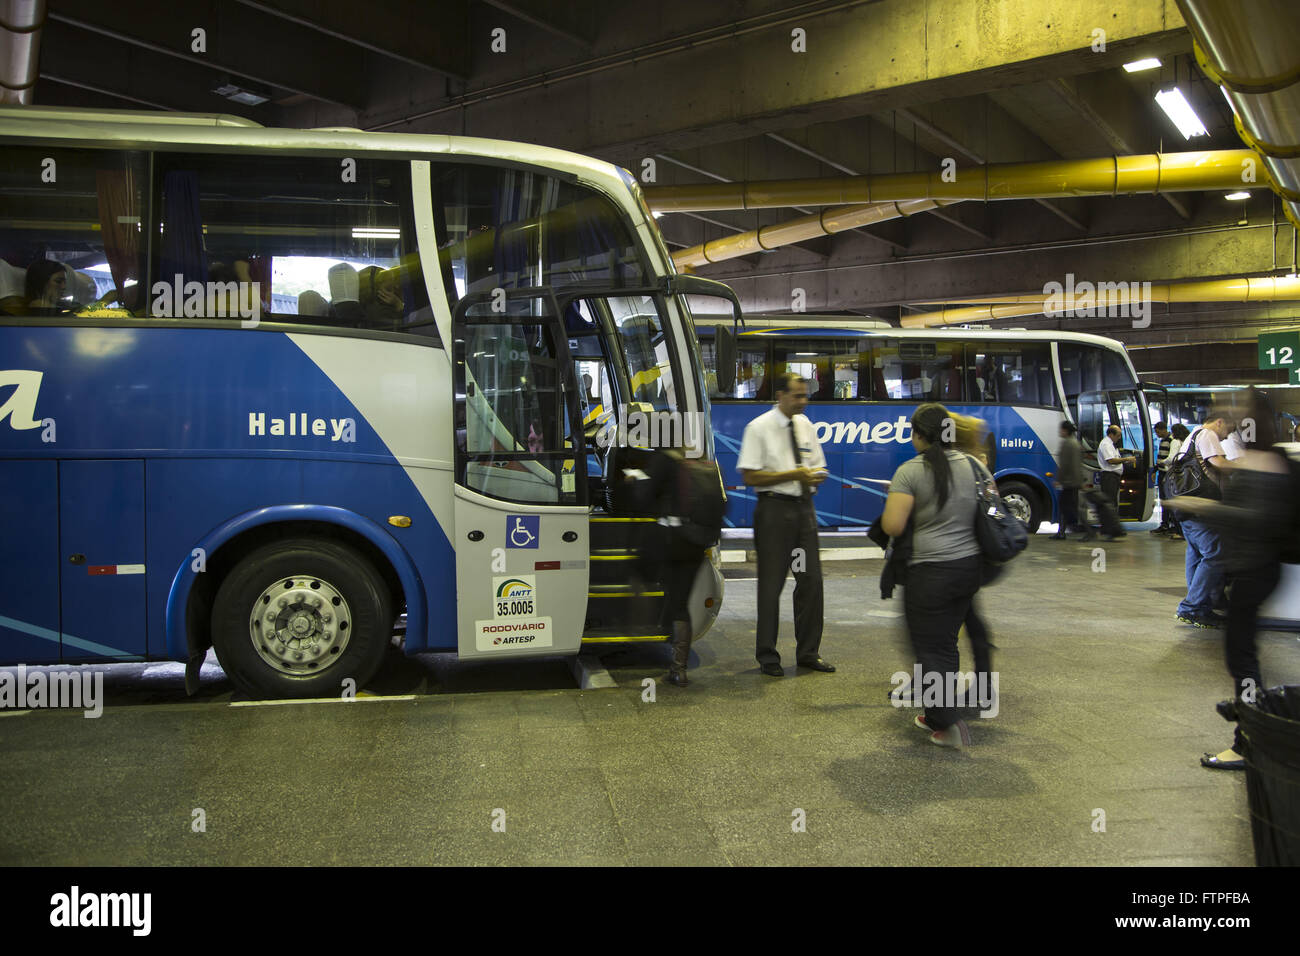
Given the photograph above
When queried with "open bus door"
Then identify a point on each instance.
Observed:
(521, 493)
(1125, 408)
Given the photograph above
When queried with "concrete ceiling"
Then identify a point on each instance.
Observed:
(720, 90)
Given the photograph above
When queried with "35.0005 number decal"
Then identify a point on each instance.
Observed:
(506, 608)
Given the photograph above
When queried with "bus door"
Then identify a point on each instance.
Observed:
(521, 492)
(1125, 409)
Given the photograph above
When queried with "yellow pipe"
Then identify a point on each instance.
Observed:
(1106, 176)
(1242, 289)
(825, 223)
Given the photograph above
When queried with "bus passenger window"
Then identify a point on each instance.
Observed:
(73, 246)
(918, 370)
(282, 239)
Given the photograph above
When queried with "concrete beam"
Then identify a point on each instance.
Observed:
(573, 20)
(237, 40)
(432, 38)
(733, 79)
(75, 57)
(1222, 253)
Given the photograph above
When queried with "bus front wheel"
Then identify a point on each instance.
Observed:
(1022, 502)
(299, 617)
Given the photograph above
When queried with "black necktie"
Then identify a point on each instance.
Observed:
(798, 461)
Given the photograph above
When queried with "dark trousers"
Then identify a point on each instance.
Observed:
(936, 600)
(675, 561)
(780, 526)
(1105, 510)
(1069, 510)
(1109, 483)
(1246, 592)
(981, 645)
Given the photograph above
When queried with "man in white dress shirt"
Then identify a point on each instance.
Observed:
(781, 458)
(1111, 463)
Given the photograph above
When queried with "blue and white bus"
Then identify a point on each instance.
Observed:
(269, 390)
(867, 378)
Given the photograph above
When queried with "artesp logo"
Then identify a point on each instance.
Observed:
(20, 408)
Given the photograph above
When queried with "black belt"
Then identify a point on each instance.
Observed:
(783, 497)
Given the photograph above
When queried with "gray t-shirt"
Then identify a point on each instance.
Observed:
(940, 535)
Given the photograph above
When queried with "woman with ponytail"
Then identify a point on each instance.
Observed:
(935, 492)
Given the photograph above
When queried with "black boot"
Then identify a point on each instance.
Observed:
(681, 642)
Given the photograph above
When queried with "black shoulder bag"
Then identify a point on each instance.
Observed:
(1189, 476)
(1001, 535)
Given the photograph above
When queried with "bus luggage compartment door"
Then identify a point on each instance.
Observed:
(29, 563)
(101, 542)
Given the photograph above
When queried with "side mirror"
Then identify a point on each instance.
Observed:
(724, 345)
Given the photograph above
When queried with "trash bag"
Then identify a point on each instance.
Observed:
(1270, 729)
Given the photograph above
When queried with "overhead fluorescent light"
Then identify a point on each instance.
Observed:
(1237, 196)
(375, 233)
(245, 94)
(1181, 113)
(1137, 66)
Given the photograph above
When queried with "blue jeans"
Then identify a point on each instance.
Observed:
(1205, 574)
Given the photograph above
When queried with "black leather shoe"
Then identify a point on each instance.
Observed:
(818, 665)
(773, 670)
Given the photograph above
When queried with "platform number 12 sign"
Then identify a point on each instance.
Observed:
(1281, 350)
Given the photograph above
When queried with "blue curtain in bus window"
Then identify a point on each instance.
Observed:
(182, 238)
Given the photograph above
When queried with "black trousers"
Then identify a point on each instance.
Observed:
(1069, 510)
(669, 556)
(1106, 513)
(1247, 590)
(1109, 483)
(936, 600)
(981, 644)
(782, 525)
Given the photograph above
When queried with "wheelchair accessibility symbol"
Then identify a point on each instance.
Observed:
(522, 530)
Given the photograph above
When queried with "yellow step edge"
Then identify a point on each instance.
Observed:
(627, 594)
(624, 640)
(606, 520)
(614, 557)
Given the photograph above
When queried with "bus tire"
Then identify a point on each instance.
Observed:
(1023, 502)
(296, 618)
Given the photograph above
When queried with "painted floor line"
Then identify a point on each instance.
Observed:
(317, 700)
(13, 713)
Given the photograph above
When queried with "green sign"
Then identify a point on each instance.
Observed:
(1280, 350)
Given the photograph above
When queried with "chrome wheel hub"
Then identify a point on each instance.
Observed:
(300, 625)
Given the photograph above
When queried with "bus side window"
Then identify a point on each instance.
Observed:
(285, 239)
(75, 245)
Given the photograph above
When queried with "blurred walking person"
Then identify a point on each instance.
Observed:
(937, 491)
(1257, 521)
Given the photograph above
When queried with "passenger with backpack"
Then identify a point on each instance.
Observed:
(782, 459)
(1258, 520)
(687, 499)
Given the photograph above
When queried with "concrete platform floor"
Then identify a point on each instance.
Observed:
(1106, 705)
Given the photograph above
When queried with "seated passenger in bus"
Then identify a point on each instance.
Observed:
(45, 287)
